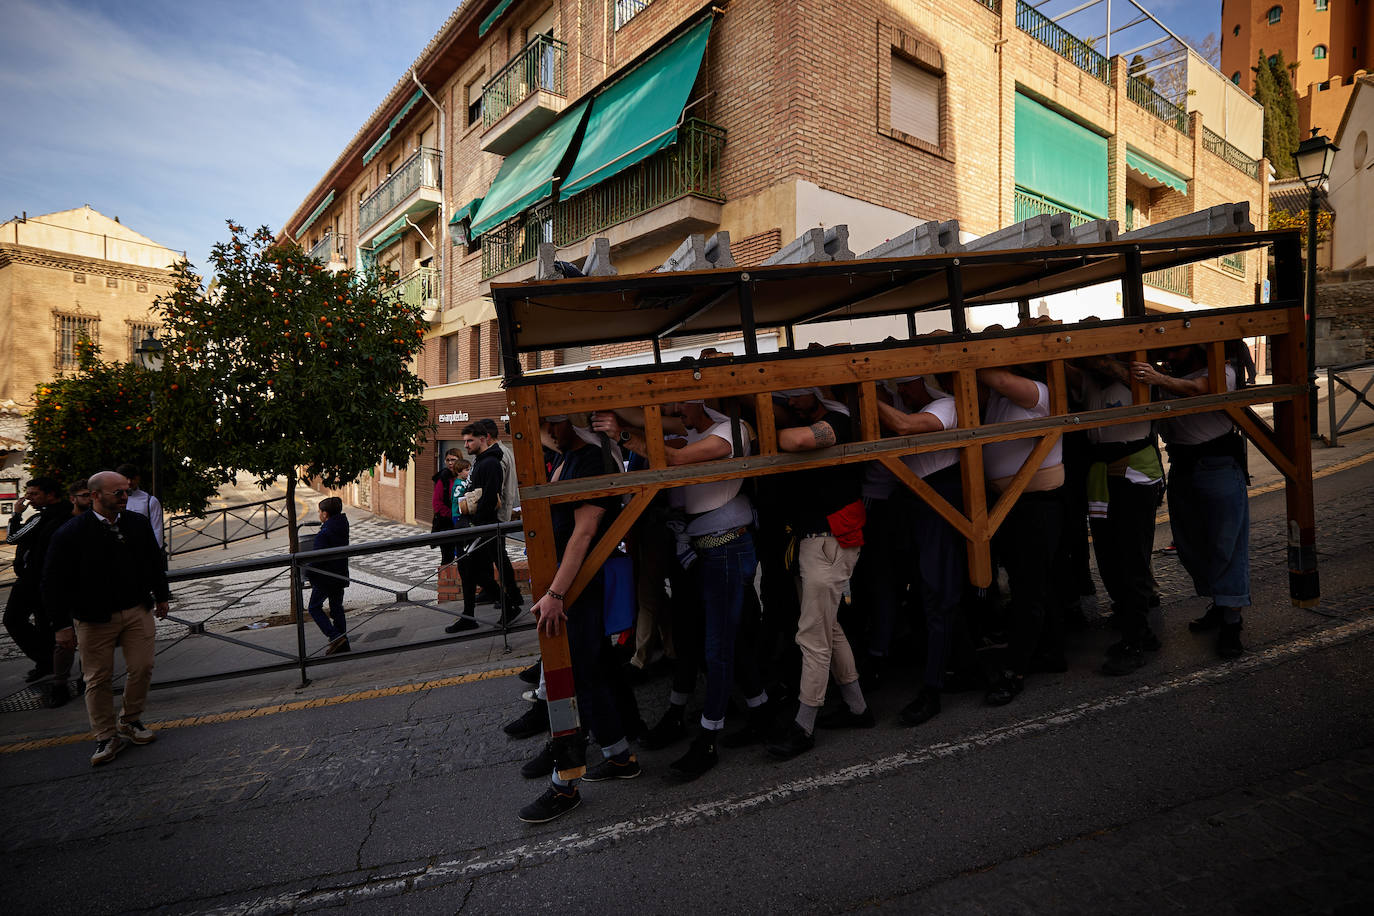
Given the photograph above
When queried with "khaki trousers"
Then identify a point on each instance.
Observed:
(825, 569)
(134, 631)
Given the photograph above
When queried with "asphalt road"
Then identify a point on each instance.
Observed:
(1193, 785)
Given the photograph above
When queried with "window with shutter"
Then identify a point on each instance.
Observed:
(915, 101)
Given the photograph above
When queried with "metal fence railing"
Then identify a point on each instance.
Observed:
(1218, 146)
(541, 64)
(1174, 279)
(419, 288)
(225, 526)
(1026, 203)
(1233, 263)
(689, 167)
(1144, 95)
(1334, 378)
(422, 170)
(1061, 41)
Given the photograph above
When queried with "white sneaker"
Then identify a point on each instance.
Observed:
(136, 732)
(105, 750)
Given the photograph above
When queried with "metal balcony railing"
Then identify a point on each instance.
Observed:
(422, 170)
(1234, 263)
(1174, 279)
(1218, 146)
(994, 5)
(1144, 95)
(331, 248)
(418, 287)
(539, 65)
(1026, 204)
(1061, 41)
(690, 167)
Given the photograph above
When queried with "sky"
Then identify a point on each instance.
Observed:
(177, 116)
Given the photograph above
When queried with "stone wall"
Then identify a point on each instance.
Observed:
(1345, 298)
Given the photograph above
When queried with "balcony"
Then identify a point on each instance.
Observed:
(1171, 279)
(1026, 204)
(1144, 95)
(331, 250)
(1218, 146)
(1061, 41)
(526, 95)
(419, 288)
(412, 189)
(636, 201)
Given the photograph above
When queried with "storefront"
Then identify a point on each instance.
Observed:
(449, 416)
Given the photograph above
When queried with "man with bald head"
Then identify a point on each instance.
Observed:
(102, 577)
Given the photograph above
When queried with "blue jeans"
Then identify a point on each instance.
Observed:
(318, 593)
(726, 571)
(1209, 512)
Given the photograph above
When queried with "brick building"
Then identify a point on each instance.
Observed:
(1328, 43)
(641, 121)
(62, 275)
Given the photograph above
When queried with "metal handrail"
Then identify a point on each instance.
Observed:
(244, 514)
(1144, 95)
(422, 170)
(539, 65)
(1361, 397)
(1218, 146)
(1061, 41)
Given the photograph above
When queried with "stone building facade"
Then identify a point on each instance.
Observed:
(876, 114)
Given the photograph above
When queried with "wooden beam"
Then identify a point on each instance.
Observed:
(1292, 430)
(653, 436)
(868, 411)
(1059, 388)
(1264, 439)
(764, 425)
(1140, 392)
(971, 471)
(1018, 483)
(929, 495)
(1216, 366)
(602, 549)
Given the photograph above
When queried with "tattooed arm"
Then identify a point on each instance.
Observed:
(806, 438)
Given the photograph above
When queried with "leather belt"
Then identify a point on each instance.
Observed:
(707, 541)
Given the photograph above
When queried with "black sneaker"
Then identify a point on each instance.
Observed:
(533, 722)
(700, 757)
(541, 765)
(1210, 620)
(844, 717)
(610, 768)
(554, 803)
(1228, 641)
(511, 613)
(925, 707)
(462, 623)
(1148, 640)
(56, 695)
(1123, 658)
(531, 674)
(756, 727)
(668, 731)
(1006, 689)
(791, 743)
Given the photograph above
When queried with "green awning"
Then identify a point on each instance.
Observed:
(494, 15)
(466, 211)
(526, 177)
(1153, 170)
(387, 235)
(329, 199)
(1060, 159)
(637, 115)
(376, 147)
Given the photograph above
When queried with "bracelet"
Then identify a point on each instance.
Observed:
(553, 594)
(624, 435)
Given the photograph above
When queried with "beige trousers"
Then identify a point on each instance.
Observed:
(134, 631)
(825, 569)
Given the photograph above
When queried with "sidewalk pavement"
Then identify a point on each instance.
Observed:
(385, 626)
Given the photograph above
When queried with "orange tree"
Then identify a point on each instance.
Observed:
(282, 369)
(100, 417)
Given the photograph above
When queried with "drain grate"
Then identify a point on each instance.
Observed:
(28, 698)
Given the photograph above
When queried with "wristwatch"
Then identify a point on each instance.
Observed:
(624, 435)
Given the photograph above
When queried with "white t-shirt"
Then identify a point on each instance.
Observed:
(1004, 459)
(704, 497)
(1195, 429)
(1099, 396)
(927, 463)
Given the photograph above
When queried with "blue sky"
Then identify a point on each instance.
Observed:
(176, 116)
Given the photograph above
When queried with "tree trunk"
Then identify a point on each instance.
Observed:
(293, 542)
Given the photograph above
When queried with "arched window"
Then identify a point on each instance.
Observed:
(1275, 14)
(1321, 6)
(1273, 60)
(1319, 52)
(1235, 77)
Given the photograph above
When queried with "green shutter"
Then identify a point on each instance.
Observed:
(637, 115)
(1060, 159)
(494, 15)
(527, 175)
(316, 214)
(376, 147)
(391, 125)
(1147, 166)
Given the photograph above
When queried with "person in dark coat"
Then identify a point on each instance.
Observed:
(25, 619)
(329, 578)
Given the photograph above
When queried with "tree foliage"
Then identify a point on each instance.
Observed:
(1274, 91)
(284, 369)
(102, 416)
(1282, 219)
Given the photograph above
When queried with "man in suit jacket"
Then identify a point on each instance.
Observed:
(102, 577)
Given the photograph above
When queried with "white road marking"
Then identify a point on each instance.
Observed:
(592, 838)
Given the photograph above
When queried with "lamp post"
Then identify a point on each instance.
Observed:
(1313, 159)
(149, 353)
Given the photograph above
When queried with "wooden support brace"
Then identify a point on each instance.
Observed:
(602, 549)
(971, 470)
(1291, 429)
(1018, 483)
(868, 411)
(1140, 392)
(1216, 366)
(928, 493)
(1264, 439)
(765, 427)
(653, 436)
(1059, 388)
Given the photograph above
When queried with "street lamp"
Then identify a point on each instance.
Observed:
(1313, 159)
(149, 353)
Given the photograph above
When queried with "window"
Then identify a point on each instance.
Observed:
(111, 283)
(452, 363)
(1273, 60)
(78, 278)
(625, 10)
(1275, 14)
(1319, 52)
(474, 352)
(1235, 77)
(475, 101)
(915, 101)
(142, 287)
(139, 332)
(71, 329)
(1321, 6)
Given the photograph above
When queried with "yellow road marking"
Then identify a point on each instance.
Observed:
(239, 714)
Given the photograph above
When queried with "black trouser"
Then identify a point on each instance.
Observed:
(1028, 540)
(446, 551)
(1123, 542)
(939, 567)
(1073, 575)
(882, 572)
(35, 638)
(779, 659)
(478, 569)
